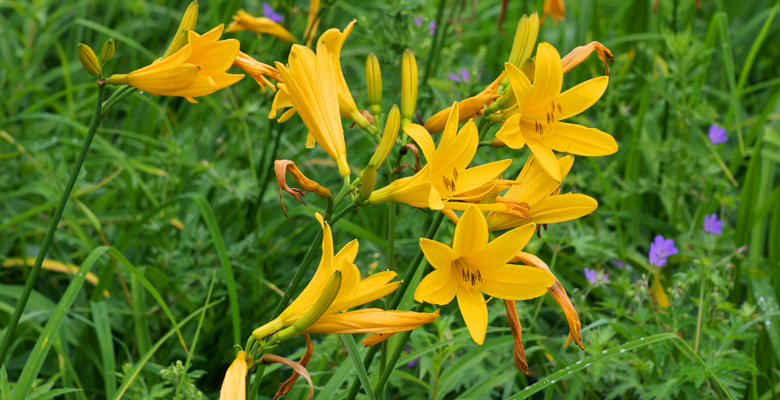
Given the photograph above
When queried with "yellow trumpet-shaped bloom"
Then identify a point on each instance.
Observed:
(334, 40)
(195, 70)
(473, 266)
(534, 198)
(243, 21)
(310, 85)
(381, 323)
(353, 292)
(540, 108)
(446, 177)
(234, 385)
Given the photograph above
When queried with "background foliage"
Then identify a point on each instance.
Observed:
(181, 190)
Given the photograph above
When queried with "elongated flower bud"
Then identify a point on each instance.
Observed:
(187, 24)
(88, 59)
(367, 183)
(234, 384)
(385, 146)
(408, 87)
(107, 52)
(328, 294)
(374, 82)
(525, 38)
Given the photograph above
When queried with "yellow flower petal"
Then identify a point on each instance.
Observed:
(579, 140)
(521, 86)
(505, 247)
(546, 158)
(564, 207)
(581, 97)
(471, 234)
(548, 78)
(474, 310)
(479, 175)
(423, 139)
(511, 133)
(439, 255)
(438, 287)
(516, 282)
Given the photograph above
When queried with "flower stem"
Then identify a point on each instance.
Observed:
(698, 319)
(36, 269)
(399, 294)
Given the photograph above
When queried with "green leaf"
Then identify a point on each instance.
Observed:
(354, 355)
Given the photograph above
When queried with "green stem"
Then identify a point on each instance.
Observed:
(36, 269)
(698, 319)
(437, 41)
(256, 382)
(399, 294)
(390, 267)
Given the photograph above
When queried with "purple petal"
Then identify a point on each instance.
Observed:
(717, 134)
(453, 77)
(465, 74)
(418, 21)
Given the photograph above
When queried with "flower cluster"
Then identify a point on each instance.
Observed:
(528, 102)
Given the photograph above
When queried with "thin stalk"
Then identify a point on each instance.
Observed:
(436, 46)
(390, 267)
(36, 269)
(399, 294)
(698, 319)
(256, 382)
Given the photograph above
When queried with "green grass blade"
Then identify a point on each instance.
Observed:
(105, 344)
(751, 58)
(354, 355)
(124, 39)
(50, 331)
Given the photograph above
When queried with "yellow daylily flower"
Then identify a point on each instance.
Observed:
(335, 39)
(257, 70)
(446, 177)
(244, 21)
(467, 109)
(353, 291)
(195, 70)
(382, 324)
(534, 198)
(473, 266)
(540, 108)
(310, 85)
(234, 384)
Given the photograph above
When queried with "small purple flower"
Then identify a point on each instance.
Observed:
(464, 73)
(717, 134)
(618, 264)
(712, 224)
(413, 362)
(432, 28)
(453, 77)
(660, 249)
(594, 276)
(418, 20)
(271, 14)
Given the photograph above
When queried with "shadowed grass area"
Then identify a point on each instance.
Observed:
(183, 197)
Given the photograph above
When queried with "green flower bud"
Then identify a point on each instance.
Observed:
(88, 59)
(408, 87)
(374, 82)
(107, 52)
(187, 24)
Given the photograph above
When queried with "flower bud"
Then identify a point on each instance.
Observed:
(388, 138)
(88, 59)
(525, 38)
(187, 24)
(374, 82)
(408, 87)
(367, 183)
(107, 52)
(317, 309)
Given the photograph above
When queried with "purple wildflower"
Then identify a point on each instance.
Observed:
(712, 224)
(432, 28)
(618, 264)
(418, 20)
(413, 362)
(271, 14)
(594, 276)
(453, 77)
(717, 134)
(464, 73)
(660, 249)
